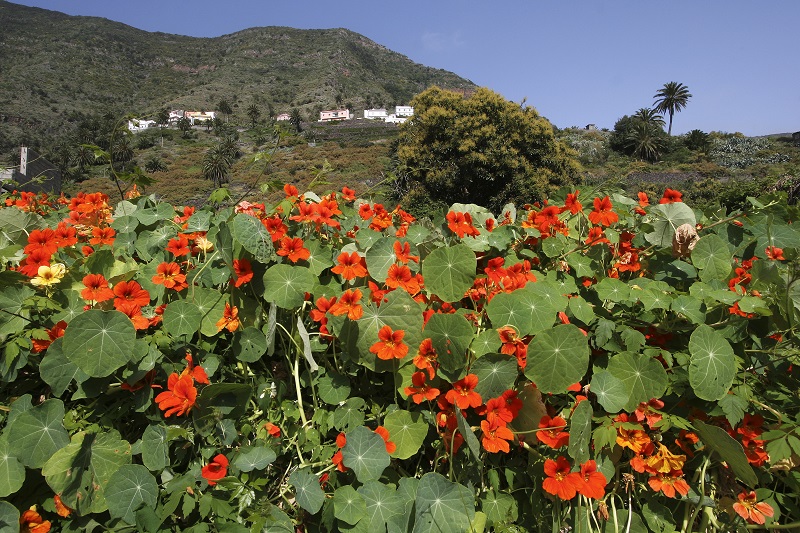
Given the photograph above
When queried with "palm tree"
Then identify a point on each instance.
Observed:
(671, 98)
(216, 164)
(650, 117)
(645, 140)
(254, 113)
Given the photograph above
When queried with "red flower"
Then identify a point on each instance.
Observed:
(243, 271)
(463, 394)
(774, 253)
(603, 213)
(594, 482)
(102, 236)
(461, 224)
(560, 481)
(169, 275)
(400, 276)
(751, 510)
(348, 304)
(348, 194)
(230, 318)
(215, 470)
(644, 201)
(384, 433)
(42, 239)
(273, 430)
(65, 235)
(275, 226)
(669, 483)
(292, 248)
(97, 289)
(572, 203)
(498, 412)
(495, 436)
(420, 391)
(180, 397)
(130, 292)
(390, 344)
(178, 246)
(426, 358)
(350, 266)
(670, 197)
(40, 345)
(32, 522)
(551, 432)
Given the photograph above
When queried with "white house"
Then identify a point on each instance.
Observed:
(175, 115)
(137, 125)
(283, 117)
(199, 117)
(375, 114)
(404, 111)
(394, 119)
(334, 114)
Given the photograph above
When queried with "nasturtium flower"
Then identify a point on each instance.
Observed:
(495, 436)
(30, 521)
(42, 239)
(57, 331)
(390, 344)
(384, 433)
(593, 482)
(461, 224)
(551, 432)
(65, 235)
(130, 292)
(671, 196)
(215, 470)
(664, 461)
(273, 430)
(402, 251)
(97, 289)
(426, 358)
(463, 393)
(103, 236)
(243, 270)
(774, 253)
(420, 390)
(572, 204)
(178, 246)
(292, 248)
(560, 481)
(350, 266)
(498, 411)
(230, 318)
(348, 194)
(348, 304)
(669, 483)
(180, 396)
(62, 510)
(202, 244)
(49, 275)
(275, 226)
(35, 259)
(603, 213)
(401, 276)
(169, 275)
(755, 512)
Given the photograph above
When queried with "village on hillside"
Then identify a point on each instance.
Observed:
(198, 118)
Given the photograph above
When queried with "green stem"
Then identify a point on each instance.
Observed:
(688, 523)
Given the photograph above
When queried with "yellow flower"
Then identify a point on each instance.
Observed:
(665, 461)
(49, 275)
(203, 244)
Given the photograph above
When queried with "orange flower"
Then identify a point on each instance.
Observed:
(97, 289)
(180, 396)
(513, 345)
(365, 211)
(572, 203)
(420, 391)
(130, 292)
(65, 235)
(32, 522)
(495, 436)
(665, 461)
(670, 197)
(292, 248)
(42, 239)
(243, 270)
(350, 266)
(215, 470)
(169, 275)
(751, 510)
(230, 318)
(348, 304)
(384, 433)
(426, 358)
(552, 432)
(39, 345)
(498, 411)
(403, 252)
(635, 439)
(594, 482)
(102, 236)
(669, 483)
(273, 430)
(774, 253)
(62, 510)
(463, 394)
(390, 344)
(178, 246)
(644, 201)
(461, 224)
(37, 258)
(400, 276)
(603, 213)
(596, 236)
(291, 191)
(348, 194)
(134, 312)
(560, 481)
(275, 226)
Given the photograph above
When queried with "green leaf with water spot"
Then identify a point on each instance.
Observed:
(712, 257)
(365, 453)
(128, 489)
(249, 344)
(557, 358)
(182, 317)
(37, 433)
(449, 271)
(642, 376)
(496, 373)
(442, 506)
(712, 366)
(348, 505)
(407, 430)
(286, 285)
(308, 493)
(99, 342)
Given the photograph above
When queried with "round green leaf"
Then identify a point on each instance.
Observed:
(155, 448)
(12, 472)
(380, 257)
(333, 388)
(286, 285)
(349, 415)
(211, 305)
(643, 377)
(308, 493)
(348, 505)
(400, 312)
(450, 335)
(253, 236)
(254, 458)
(249, 344)
(496, 374)
(712, 366)
(407, 430)
(442, 505)
(9, 515)
(384, 503)
(449, 271)
(610, 391)
(58, 371)
(99, 342)
(713, 257)
(129, 488)
(666, 219)
(182, 317)
(557, 358)
(499, 507)
(520, 309)
(36, 434)
(365, 453)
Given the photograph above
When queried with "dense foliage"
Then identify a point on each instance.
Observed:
(594, 362)
(481, 149)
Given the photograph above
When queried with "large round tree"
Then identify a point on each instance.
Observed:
(481, 149)
(671, 98)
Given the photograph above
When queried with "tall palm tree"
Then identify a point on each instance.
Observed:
(216, 164)
(650, 117)
(671, 98)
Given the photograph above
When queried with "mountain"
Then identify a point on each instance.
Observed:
(58, 69)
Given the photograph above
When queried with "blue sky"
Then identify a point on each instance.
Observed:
(576, 61)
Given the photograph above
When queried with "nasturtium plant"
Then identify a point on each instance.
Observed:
(325, 363)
